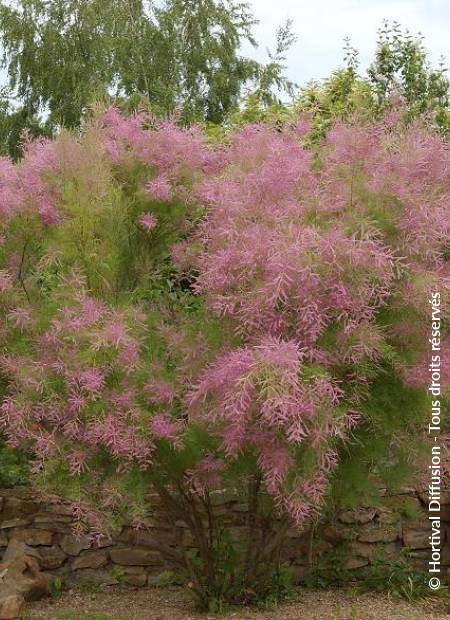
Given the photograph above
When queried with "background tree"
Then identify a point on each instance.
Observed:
(400, 73)
(181, 56)
(401, 68)
(15, 124)
(58, 54)
(206, 37)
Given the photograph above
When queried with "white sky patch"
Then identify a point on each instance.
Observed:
(322, 25)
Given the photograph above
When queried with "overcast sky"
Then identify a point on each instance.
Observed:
(321, 26)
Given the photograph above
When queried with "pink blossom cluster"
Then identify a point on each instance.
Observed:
(80, 386)
(30, 185)
(258, 397)
(302, 252)
(174, 159)
(174, 153)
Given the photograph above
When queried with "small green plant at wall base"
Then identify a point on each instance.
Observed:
(88, 586)
(56, 587)
(118, 573)
(168, 578)
(398, 578)
(329, 569)
(282, 588)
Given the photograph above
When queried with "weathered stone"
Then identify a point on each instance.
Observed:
(132, 536)
(419, 565)
(445, 555)
(50, 517)
(423, 496)
(421, 522)
(59, 509)
(444, 499)
(423, 554)
(16, 507)
(90, 559)
(72, 545)
(336, 533)
(22, 576)
(370, 530)
(17, 548)
(361, 516)
(403, 491)
(135, 556)
(444, 512)
(10, 523)
(53, 522)
(367, 550)
(11, 606)
(223, 496)
(51, 557)
(33, 536)
(55, 527)
(102, 543)
(416, 539)
(386, 516)
(362, 550)
(134, 575)
(355, 562)
(320, 546)
(92, 577)
(372, 533)
(240, 507)
(419, 558)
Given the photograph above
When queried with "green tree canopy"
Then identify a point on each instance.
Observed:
(400, 71)
(181, 55)
(401, 67)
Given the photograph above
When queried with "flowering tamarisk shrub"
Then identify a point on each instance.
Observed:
(185, 318)
(331, 254)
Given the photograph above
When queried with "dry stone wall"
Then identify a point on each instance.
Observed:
(360, 535)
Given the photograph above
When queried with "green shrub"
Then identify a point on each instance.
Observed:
(398, 578)
(329, 570)
(14, 466)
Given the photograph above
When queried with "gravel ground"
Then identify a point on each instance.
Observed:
(174, 604)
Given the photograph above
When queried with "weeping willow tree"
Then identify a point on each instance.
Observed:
(180, 55)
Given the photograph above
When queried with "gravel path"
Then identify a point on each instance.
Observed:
(173, 604)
